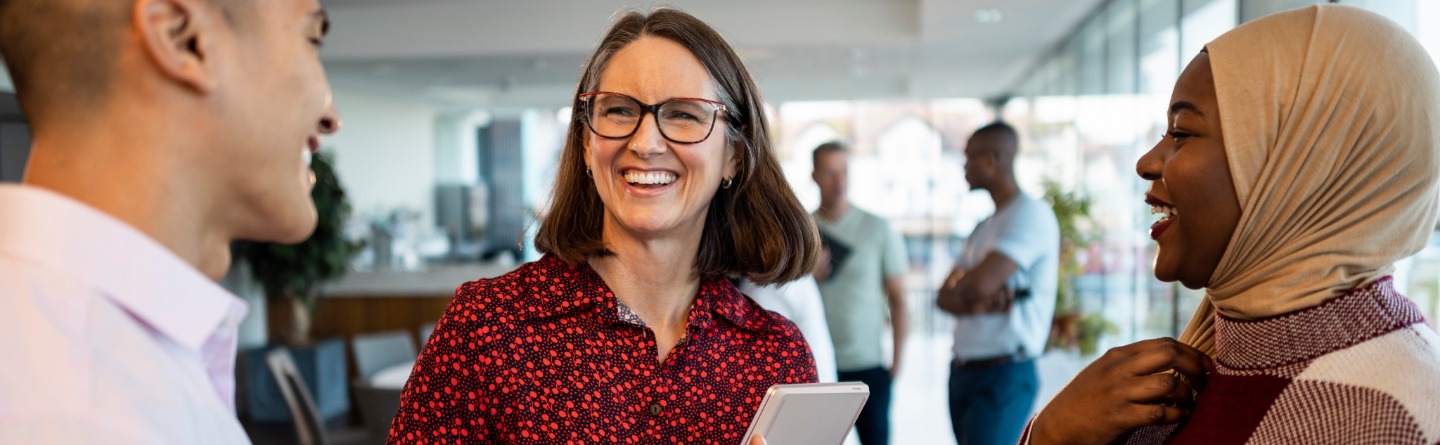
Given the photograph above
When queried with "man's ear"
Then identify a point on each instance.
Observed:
(178, 37)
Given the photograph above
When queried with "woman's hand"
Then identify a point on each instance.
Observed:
(1127, 388)
(757, 440)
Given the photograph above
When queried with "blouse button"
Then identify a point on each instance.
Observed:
(655, 409)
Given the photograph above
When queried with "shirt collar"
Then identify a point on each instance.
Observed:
(719, 300)
(726, 302)
(127, 267)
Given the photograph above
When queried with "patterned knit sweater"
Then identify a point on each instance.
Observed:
(1360, 369)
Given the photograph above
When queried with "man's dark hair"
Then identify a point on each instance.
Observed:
(827, 148)
(65, 51)
(999, 129)
(1008, 142)
(60, 50)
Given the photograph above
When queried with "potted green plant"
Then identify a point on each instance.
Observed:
(1071, 326)
(289, 273)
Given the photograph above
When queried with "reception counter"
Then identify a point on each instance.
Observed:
(384, 300)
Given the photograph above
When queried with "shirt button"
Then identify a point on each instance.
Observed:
(655, 409)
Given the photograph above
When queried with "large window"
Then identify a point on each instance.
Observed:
(905, 165)
(1098, 103)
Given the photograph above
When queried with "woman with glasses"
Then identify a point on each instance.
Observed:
(628, 329)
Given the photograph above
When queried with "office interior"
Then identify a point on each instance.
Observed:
(455, 113)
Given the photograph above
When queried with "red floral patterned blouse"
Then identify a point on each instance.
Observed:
(547, 355)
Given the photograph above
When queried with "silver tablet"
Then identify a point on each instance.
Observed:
(808, 414)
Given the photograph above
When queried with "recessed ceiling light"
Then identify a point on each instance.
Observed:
(989, 15)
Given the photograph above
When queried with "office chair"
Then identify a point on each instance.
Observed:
(377, 351)
(308, 425)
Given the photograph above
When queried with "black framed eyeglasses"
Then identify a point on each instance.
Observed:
(683, 120)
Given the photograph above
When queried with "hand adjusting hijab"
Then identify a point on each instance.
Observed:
(1331, 124)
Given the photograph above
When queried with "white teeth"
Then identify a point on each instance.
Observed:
(649, 178)
(305, 154)
(1169, 211)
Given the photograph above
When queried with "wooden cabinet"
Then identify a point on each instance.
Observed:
(345, 316)
(387, 300)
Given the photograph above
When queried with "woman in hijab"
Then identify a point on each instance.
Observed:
(1300, 163)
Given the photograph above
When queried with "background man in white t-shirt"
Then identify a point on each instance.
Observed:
(1002, 293)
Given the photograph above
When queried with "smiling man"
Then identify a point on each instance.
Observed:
(163, 131)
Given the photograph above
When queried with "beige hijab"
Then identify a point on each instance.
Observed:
(1331, 123)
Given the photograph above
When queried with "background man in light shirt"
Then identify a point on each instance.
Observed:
(862, 283)
(1002, 293)
(163, 131)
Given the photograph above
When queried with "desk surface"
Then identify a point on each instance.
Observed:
(437, 280)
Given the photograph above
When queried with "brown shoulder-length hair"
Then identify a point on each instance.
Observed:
(754, 229)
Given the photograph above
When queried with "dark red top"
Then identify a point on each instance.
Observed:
(543, 355)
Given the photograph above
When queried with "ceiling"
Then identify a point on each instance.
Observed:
(495, 54)
(489, 54)
(467, 54)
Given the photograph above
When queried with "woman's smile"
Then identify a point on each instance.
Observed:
(1167, 212)
(649, 182)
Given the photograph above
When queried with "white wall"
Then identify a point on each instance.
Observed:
(542, 139)
(385, 154)
(456, 153)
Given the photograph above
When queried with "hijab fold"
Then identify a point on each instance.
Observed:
(1331, 117)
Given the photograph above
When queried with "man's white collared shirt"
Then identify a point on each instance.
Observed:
(107, 336)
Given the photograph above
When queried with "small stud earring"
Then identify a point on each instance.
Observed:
(587, 172)
(726, 183)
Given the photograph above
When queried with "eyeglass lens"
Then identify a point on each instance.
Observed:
(681, 120)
